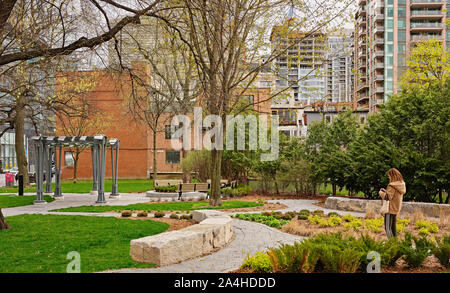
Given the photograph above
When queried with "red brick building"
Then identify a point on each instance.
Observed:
(136, 146)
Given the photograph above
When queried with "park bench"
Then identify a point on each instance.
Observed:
(168, 182)
(223, 182)
(192, 187)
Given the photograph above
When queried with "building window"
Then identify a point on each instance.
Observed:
(172, 157)
(68, 159)
(170, 131)
(8, 151)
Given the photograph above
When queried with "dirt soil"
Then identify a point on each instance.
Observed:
(174, 223)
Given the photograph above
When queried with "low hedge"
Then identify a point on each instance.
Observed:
(168, 188)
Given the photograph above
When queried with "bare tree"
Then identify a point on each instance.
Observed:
(227, 39)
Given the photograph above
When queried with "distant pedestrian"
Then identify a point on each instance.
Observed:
(394, 194)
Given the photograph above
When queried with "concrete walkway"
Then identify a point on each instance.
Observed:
(250, 237)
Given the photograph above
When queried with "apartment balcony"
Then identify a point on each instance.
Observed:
(429, 26)
(362, 22)
(362, 43)
(379, 65)
(362, 11)
(378, 30)
(378, 102)
(362, 54)
(378, 17)
(423, 37)
(362, 2)
(378, 42)
(361, 99)
(362, 86)
(427, 14)
(379, 90)
(379, 78)
(378, 54)
(427, 3)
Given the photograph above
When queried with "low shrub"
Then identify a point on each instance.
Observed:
(186, 217)
(374, 225)
(429, 226)
(127, 213)
(334, 221)
(302, 217)
(349, 218)
(304, 212)
(415, 255)
(166, 188)
(442, 251)
(159, 214)
(174, 216)
(258, 263)
(142, 214)
(314, 219)
(333, 214)
(319, 212)
(296, 258)
(355, 224)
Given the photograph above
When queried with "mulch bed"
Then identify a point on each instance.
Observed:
(174, 223)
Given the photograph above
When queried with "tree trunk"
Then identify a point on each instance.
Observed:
(186, 175)
(440, 196)
(19, 127)
(155, 170)
(333, 186)
(216, 175)
(75, 165)
(3, 224)
(448, 198)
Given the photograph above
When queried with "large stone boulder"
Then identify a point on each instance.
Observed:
(215, 230)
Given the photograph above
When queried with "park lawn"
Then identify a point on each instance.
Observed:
(40, 243)
(85, 186)
(171, 206)
(13, 200)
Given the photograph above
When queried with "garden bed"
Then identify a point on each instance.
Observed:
(339, 253)
(309, 224)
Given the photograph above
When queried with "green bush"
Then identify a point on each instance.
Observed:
(442, 251)
(302, 217)
(168, 188)
(415, 255)
(304, 212)
(319, 212)
(142, 214)
(186, 217)
(296, 258)
(333, 214)
(174, 216)
(259, 263)
(349, 218)
(159, 214)
(427, 226)
(127, 213)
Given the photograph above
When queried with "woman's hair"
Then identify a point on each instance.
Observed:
(394, 175)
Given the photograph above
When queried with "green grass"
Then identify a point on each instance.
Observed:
(85, 186)
(12, 200)
(40, 243)
(173, 206)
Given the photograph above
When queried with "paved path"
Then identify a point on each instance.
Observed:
(250, 237)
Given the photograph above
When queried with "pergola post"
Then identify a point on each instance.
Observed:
(38, 147)
(94, 190)
(58, 161)
(114, 143)
(48, 157)
(100, 142)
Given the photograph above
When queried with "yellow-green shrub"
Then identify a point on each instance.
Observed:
(258, 263)
(349, 218)
(374, 225)
(428, 225)
(354, 224)
(314, 219)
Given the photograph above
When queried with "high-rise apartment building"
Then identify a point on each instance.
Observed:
(385, 32)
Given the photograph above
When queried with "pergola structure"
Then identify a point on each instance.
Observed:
(46, 149)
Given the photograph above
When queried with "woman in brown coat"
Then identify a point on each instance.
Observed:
(394, 194)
